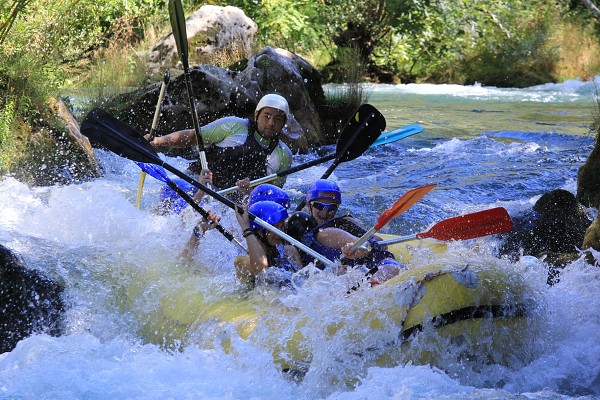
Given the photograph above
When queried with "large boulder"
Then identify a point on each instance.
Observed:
(210, 30)
(588, 179)
(30, 302)
(220, 92)
(553, 229)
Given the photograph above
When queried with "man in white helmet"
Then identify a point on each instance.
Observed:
(239, 150)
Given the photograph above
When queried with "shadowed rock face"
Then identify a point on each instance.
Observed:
(554, 228)
(29, 302)
(221, 92)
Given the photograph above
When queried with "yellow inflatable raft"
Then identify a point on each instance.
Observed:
(413, 317)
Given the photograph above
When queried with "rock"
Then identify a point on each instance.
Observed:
(588, 179)
(221, 92)
(59, 154)
(591, 240)
(209, 30)
(80, 144)
(554, 228)
(30, 302)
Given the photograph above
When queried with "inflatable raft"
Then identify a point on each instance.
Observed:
(482, 309)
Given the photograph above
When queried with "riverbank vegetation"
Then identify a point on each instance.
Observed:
(51, 46)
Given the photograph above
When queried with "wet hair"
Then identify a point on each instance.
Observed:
(299, 224)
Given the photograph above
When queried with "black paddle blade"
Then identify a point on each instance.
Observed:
(179, 30)
(105, 130)
(363, 129)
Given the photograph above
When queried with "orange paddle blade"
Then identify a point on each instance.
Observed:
(402, 204)
(470, 226)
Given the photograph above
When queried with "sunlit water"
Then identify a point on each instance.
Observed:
(484, 147)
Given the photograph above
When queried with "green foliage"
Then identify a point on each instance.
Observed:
(521, 57)
(7, 116)
(10, 146)
(467, 40)
(290, 24)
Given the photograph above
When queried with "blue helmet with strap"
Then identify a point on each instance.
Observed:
(324, 189)
(268, 211)
(268, 192)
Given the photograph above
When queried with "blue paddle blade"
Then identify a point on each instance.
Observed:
(155, 171)
(172, 201)
(397, 134)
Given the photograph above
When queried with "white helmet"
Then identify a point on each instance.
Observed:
(274, 101)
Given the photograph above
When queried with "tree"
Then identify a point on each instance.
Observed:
(589, 4)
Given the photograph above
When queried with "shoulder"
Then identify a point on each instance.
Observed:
(226, 126)
(283, 152)
(346, 223)
(283, 147)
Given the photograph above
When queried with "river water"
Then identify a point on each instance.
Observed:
(484, 147)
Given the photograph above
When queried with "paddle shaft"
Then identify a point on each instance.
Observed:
(161, 96)
(160, 174)
(280, 174)
(180, 32)
(205, 214)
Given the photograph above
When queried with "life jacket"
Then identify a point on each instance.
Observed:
(230, 164)
(280, 270)
(344, 224)
(375, 257)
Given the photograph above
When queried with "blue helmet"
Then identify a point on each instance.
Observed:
(268, 192)
(268, 211)
(323, 189)
(171, 200)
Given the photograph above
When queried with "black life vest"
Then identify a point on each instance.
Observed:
(345, 225)
(377, 255)
(230, 164)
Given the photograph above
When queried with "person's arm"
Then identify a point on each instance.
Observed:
(190, 247)
(294, 256)
(205, 178)
(244, 186)
(339, 239)
(279, 160)
(178, 139)
(247, 267)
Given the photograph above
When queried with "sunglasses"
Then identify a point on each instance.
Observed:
(321, 206)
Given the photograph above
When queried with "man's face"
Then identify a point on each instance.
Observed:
(270, 122)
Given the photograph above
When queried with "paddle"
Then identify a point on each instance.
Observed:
(463, 227)
(180, 33)
(161, 96)
(160, 174)
(397, 134)
(365, 116)
(401, 205)
(104, 129)
(358, 148)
